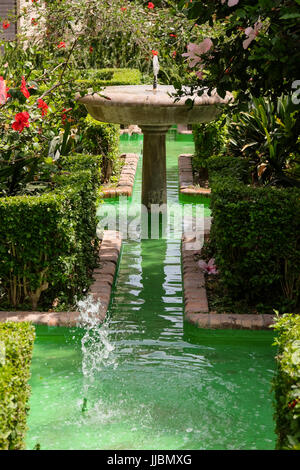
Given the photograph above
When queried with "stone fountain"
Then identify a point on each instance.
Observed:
(154, 110)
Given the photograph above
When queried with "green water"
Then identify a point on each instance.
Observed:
(167, 385)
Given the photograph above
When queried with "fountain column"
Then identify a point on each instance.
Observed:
(154, 183)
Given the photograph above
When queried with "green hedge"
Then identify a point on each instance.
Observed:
(210, 139)
(101, 138)
(16, 344)
(108, 77)
(256, 236)
(286, 383)
(48, 244)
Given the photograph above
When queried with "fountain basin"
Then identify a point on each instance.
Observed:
(140, 104)
(155, 111)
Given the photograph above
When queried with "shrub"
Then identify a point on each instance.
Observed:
(101, 138)
(48, 242)
(256, 235)
(210, 139)
(268, 135)
(98, 78)
(286, 383)
(16, 344)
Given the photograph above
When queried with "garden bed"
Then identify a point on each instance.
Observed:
(126, 181)
(103, 276)
(187, 185)
(196, 302)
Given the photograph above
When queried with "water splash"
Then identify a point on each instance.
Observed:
(96, 345)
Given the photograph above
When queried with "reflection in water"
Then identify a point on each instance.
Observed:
(164, 383)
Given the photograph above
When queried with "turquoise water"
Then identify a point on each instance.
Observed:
(165, 383)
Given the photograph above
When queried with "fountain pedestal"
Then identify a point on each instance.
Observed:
(154, 184)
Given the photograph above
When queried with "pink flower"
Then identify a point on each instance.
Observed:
(209, 268)
(231, 3)
(194, 51)
(251, 33)
(3, 92)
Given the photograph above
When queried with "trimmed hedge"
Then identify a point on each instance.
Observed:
(210, 139)
(48, 244)
(101, 138)
(108, 77)
(286, 384)
(256, 236)
(16, 344)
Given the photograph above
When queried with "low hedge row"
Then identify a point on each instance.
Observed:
(48, 244)
(16, 344)
(286, 383)
(108, 77)
(256, 236)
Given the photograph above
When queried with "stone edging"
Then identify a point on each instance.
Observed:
(103, 275)
(126, 181)
(196, 304)
(186, 181)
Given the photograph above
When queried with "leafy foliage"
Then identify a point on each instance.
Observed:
(267, 134)
(210, 139)
(48, 242)
(16, 344)
(269, 65)
(255, 233)
(286, 383)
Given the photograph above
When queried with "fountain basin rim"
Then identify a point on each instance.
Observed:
(137, 95)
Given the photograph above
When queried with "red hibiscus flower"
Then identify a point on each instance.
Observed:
(61, 44)
(173, 35)
(21, 121)
(154, 52)
(43, 106)
(150, 5)
(24, 89)
(123, 8)
(5, 24)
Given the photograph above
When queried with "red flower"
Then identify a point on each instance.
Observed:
(173, 35)
(154, 52)
(43, 106)
(174, 54)
(21, 121)
(24, 89)
(61, 44)
(34, 22)
(150, 5)
(5, 24)
(123, 8)
(64, 116)
(91, 49)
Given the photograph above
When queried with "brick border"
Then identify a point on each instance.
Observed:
(126, 181)
(103, 275)
(186, 180)
(196, 304)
